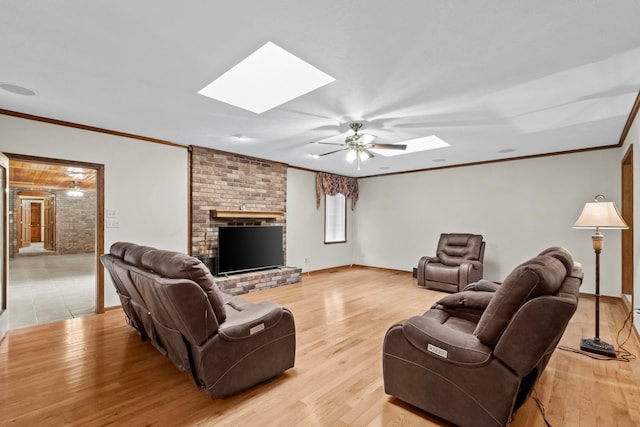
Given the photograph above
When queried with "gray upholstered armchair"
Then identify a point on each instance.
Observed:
(474, 357)
(457, 263)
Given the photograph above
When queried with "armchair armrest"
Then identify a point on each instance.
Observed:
(422, 265)
(252, 319)
(429, 335)
(470, 271)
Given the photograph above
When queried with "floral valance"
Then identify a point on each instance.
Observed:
(330, 184)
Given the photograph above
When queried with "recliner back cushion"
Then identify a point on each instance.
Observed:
(118, 249)
(562, 255)
(541, 275)
(133, 255)
(176, 265)
(454, 248)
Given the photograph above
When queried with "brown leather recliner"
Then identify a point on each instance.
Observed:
(457, 263)
(228, 343)
(474, 357)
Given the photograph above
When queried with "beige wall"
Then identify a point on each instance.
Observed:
(305, 227)
(520, 206)
(145, 182)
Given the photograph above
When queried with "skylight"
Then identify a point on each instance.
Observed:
(413, 146)
(268, 77)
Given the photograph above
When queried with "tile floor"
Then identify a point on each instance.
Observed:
(45, 288)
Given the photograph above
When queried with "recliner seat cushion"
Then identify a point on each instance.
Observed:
(176, 265)
(541, 275)
(442, 273)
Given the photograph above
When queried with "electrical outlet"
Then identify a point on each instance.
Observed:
(112, 223)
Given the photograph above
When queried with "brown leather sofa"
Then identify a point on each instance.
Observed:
(474, 357)
(227, 343)
(457, 263)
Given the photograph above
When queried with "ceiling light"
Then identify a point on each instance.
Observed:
(74, 191)
(413, 145)
(268, 77)
(351, 155)
(363, 155)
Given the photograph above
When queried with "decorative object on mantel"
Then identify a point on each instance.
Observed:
(330, 184)
(222, 213)
(599, 214)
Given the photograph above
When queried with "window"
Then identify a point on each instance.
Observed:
(335, 219)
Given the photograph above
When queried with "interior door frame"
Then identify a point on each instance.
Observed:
(4, 318)
(99, 240)
(627, 273)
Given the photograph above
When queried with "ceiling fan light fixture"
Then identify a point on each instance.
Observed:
(75, 191)
(352, 155)
(363, 155)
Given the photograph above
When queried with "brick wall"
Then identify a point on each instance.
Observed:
(223, 180)
(75, 221)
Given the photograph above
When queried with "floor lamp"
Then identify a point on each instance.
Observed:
(599, 214)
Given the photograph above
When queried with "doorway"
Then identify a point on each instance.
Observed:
(35, 221)
(56, 238)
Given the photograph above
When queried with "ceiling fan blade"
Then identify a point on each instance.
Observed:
(331, 152)
(327, 143)
(389, 146)
(369, 153)
(366, 138)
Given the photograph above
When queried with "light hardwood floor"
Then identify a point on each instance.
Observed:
(95, 370)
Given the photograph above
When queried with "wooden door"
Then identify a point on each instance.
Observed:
(36, 217)
(49, 224)
(25, 224)
(627, 214)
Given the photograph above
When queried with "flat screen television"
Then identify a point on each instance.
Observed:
(249, 248)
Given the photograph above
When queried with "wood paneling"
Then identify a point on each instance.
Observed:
(95, 370)
(24, 174)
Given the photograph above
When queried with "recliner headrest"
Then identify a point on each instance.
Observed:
(542, 275)
(176, 265)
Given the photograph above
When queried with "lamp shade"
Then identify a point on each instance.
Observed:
(601, 215)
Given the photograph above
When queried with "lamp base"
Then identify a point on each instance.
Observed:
(597, 346)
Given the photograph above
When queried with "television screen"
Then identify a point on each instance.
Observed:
(249, 248)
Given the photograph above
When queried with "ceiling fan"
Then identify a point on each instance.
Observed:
(358, 145)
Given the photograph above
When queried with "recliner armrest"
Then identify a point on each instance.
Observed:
(467, 299)
(250, 320)
(429, 335)
(477, 265)
(422, 265)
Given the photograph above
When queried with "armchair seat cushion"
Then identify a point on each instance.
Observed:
(442, 273)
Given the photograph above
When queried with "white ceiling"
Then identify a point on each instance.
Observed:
(484, 76)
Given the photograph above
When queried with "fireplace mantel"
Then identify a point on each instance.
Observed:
(221, 213)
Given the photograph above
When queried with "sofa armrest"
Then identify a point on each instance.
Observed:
(250, 320)
(430, 336)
